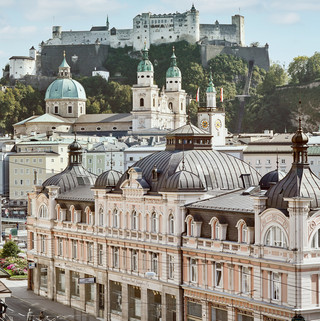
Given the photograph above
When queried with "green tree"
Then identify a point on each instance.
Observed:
(313, 67)
(10, 249)
(298, 69)
(275, 76)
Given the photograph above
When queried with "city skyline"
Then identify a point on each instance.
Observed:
(284, 25)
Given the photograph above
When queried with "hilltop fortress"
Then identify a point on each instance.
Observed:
(155, 29)
(88, 50)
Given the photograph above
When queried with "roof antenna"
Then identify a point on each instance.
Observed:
(183, 167)
(75, 133)
(111, 160)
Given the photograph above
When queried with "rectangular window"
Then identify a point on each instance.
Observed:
(100, 254)
(115, 297)
(275, 286)
(43, 243)
(75, 291)
(193, 270)
(245, 280)
(115, 257)
(43, 276)
(90, 252)
(61, 281)
(170, 266)
(75, 249)
(218, 275)
(16, 170)
(60, 246)
(218, 314)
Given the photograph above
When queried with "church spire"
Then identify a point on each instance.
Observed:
(211, 93)
(107, 23)
(300, 147)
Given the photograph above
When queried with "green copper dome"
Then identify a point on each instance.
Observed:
(145, 64)
(173, 70)
(65, 88)
(210, 88)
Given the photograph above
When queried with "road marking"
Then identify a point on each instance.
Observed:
(21, 314)
(10, 309)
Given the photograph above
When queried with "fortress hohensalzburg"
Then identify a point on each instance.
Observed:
(155, 29)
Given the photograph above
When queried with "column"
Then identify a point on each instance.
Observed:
(144, 304)
(125, 302)
(68, 285)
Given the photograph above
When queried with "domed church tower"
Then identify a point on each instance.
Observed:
(65, 97)
(176, 96)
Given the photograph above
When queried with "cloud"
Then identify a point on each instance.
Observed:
(6, 3)
(9, 32)
(44, 9)
(285, 18)
(295, 5)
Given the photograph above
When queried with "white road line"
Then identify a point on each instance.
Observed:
(21, 314)
(10, 309)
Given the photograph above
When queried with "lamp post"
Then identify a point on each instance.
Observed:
(298, 317)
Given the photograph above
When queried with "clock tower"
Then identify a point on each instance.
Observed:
(211, 118)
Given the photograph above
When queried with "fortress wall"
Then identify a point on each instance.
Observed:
(220, 32)
(89, 57)
(259, 55)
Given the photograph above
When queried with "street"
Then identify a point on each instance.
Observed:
(22, 300)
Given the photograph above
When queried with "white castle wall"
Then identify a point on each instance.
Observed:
(21, 66)
(155, 29)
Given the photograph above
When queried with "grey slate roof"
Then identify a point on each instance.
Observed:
(188, 130)
(184, 181)
(79, 193)
(230, 202)
(216, 170)
(104, 118)
(271, 177)
(108, 179)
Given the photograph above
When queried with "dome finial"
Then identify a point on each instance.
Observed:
(111, 159)
(64, 54)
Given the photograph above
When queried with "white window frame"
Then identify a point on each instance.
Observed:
(275, 286)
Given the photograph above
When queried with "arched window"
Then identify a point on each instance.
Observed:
(315, 243)
(190, 225)
(171, 224)
(154, 102)
(215, 229)
(170, 105)
(90, 217)
(101, 216)
(141, 102)
(43, 211)
(134, 220)
(243, 235)
(115, 218)
(153, 222)
(275, 237)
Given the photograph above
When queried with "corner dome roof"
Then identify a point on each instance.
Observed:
(184, 181)
(173, 70)
(63, 88)
(271, 177)
(145, 64)
(108, 179)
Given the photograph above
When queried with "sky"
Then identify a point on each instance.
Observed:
(290, 27)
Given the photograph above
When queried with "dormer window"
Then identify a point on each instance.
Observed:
(245, 234)
(43, 211)
(154, 222)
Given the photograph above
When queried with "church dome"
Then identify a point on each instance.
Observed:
(184, 181)
(63, 88)
(173, 70)
(271, 178)
(108, 179)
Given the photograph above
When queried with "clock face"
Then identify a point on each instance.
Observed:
(204, 124)
(218, 124)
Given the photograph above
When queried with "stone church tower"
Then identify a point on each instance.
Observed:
(155, 110)
(211, 118)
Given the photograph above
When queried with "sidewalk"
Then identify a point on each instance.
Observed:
(19, 290)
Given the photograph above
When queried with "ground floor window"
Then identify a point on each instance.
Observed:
(134, 302)
(243, 316)
(154, 306)
(194, 311)
(61, 280)
(75, 291)
(43, 276)
(218, 314)
(90, 291)
(171, 307)
(115, 297)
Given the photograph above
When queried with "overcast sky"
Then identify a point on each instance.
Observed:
(290, 27)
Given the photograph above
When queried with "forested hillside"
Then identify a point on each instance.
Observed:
(273, 102)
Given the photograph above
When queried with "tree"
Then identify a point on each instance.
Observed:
(313, 67)
(275, 76)
(298, 69)
(10, 249)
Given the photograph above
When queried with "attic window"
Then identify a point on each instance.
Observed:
(246, 180)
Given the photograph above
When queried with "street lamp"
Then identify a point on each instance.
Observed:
(298, 317)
